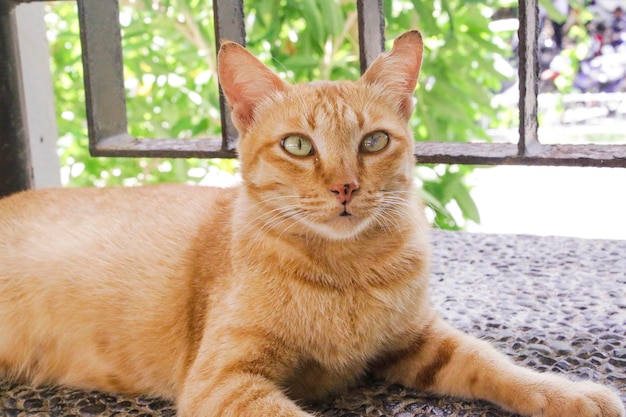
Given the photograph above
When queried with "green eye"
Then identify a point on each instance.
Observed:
(375, 142)
(297, 145)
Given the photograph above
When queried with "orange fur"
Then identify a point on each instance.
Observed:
(236, 302)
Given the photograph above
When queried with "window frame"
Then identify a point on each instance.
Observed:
(108, 125)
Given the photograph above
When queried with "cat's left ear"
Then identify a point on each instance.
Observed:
(398, 69)
(245, 81)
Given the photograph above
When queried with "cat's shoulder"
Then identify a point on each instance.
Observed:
(142, 197)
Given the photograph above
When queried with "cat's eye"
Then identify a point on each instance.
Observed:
(297, 145)
(375, 142)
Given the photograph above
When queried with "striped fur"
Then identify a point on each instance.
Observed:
(239, 302)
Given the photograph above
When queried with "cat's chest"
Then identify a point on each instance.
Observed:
(347, 329)
(340, 308)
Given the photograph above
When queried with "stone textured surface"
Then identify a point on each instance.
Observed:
(552, 304)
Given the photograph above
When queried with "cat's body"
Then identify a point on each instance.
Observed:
(236, 301)
(112, 313)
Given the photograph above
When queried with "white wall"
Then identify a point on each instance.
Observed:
(39, 95)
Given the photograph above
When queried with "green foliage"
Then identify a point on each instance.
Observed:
(170, 78)
(447, 193)
(458, 80)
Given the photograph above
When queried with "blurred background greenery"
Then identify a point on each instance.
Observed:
(169, 68)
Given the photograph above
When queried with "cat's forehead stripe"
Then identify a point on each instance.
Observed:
(328, 108)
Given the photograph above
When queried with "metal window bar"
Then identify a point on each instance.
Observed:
(15, 159)
(106, 105)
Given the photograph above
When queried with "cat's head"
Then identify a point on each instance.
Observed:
(332, 159)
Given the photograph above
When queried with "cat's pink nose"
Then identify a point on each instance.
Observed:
(344, 192)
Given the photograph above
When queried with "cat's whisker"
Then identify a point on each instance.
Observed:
(268, 224)
(394, 207)
(298, 219)
(268, 200)
(263, 213)
(385, 221)
(279, 216)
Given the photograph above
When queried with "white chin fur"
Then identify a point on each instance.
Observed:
(340, 228)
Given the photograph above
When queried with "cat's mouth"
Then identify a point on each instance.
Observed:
(337, 223)
(344, 214)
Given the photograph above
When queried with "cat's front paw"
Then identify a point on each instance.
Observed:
(581, 399)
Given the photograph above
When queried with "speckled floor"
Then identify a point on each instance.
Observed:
(553, 304)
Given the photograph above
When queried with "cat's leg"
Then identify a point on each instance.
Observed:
(446, 361)
(235, 395)
(239, 375)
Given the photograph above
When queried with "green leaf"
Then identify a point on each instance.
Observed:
(466, 202)
(553, 13)
(297, 62)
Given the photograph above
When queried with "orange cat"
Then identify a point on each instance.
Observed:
(236, 302)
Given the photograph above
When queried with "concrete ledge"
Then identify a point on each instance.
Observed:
(552, 304)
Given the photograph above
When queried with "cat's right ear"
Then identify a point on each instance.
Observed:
(245, 81)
